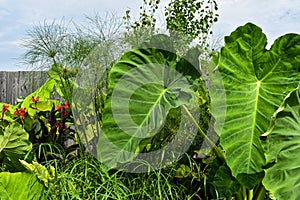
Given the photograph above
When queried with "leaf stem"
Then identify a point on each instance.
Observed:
(260, 192)
(250, 194)
(216, 149)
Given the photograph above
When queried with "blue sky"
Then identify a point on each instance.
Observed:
(275, 17)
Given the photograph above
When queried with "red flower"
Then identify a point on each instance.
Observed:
(16, 112)
(62, 108)
(66, 105)
(60, 125)
(58, 108)
(35, 99)
(21, 112)
(5, 108)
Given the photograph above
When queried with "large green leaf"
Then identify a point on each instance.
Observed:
(19, 186)
(44, 93)
(143, 87)
(224, 183)
(14, 144)
(282, 149)
(256, 80)
(14, 141)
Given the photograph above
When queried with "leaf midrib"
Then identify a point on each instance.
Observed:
(253, 124)
(146, 117)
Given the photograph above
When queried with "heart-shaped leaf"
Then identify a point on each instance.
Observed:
(143, 87)
(256, 80)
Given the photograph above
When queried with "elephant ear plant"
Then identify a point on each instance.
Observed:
(282, 145)
(256, 81)
(145, 87)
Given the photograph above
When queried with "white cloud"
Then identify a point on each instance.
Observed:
(275, 17)
(18, 16)
(37, 10)
(3, 13)
(12, 43)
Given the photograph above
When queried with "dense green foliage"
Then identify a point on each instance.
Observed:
(156, 124)
(191, 18)
(186, 20)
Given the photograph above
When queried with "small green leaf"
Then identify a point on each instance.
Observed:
(184, 171)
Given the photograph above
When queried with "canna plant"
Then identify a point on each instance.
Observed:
(51, 130)
(37, 127)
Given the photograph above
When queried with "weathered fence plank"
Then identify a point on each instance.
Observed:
(20, 83)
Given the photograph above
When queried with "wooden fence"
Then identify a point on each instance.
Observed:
(20, 83)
